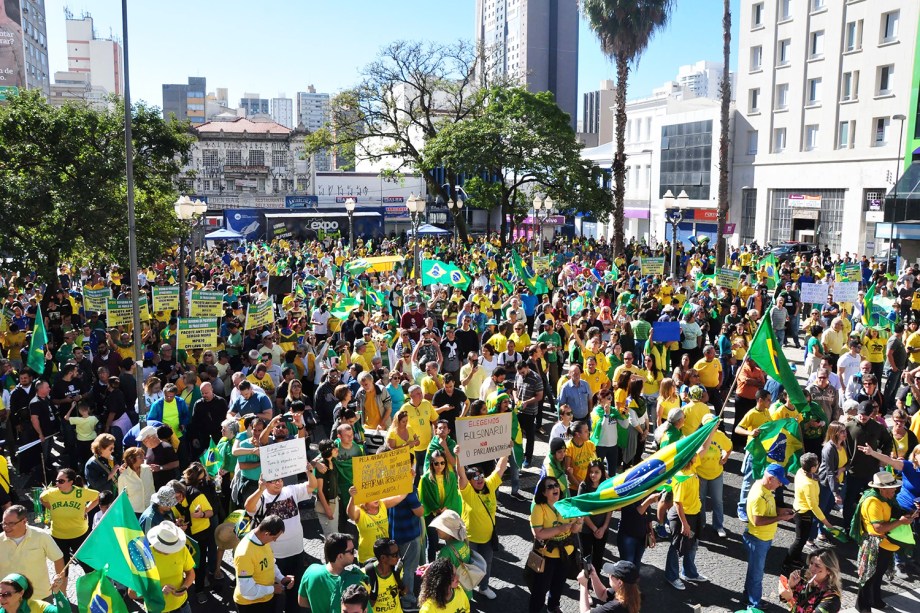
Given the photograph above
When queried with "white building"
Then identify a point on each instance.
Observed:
(701, 80)
(816, 145)
(283, 111)
(76, 87)
(313, 115)
(100, 58)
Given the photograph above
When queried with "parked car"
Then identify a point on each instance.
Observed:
(791, 249)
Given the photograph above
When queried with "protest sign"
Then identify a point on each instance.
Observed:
(847, 291)
(197, 333)
(381, 475)
(541, 264)
(165, 298)
(283, 459)
(482, 438)
(728, 278)
(665, 331)
(94, 299)
(120, 312)
(847, 272)
(207, 304)
(653, 266)
(814, 293)
(261, 314)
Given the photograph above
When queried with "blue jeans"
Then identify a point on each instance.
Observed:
(753, 579)
(486, 551)
(794, 321)
(631, 548)
(713, 489)
(825, 503)
(747, 480)
(672, 565)
(410, 553)
(515, 471)
(780, 336)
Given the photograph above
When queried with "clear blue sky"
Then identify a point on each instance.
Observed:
(281, 46)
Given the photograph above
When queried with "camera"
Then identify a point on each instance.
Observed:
(287, 418)
(587, 566)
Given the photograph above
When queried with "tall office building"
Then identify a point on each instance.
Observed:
(254, 105)
(597, 118)
(283, 111)
(825, 91)
(99, 58)
(24, 52)
(313, 115)
(534, 41)
(186, 100)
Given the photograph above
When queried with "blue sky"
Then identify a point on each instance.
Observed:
(281, 46)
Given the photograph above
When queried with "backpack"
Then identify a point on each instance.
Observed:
(370, 569)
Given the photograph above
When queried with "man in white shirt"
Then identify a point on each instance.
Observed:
(848, 363)
(26, 550)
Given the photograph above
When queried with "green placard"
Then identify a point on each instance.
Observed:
(166, 298)
(652, 266)
(207, 304)
(848, 272)
(261, 314)
(197, 333)
(728, 278)
(94, 299)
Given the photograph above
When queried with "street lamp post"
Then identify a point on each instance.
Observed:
(186, 210)
(546, 206)
(416, 206)
(897, 177)
(350, 209)
(456, 208)
(650, 153)
(674, 217)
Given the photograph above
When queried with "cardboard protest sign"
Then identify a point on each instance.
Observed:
(482, 438)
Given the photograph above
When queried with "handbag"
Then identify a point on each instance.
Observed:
(535, 561)
(470, 573)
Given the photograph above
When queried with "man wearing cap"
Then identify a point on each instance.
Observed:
(620, 574)
(174, 564)
(27, 550)
(864, 430)
(761, 528)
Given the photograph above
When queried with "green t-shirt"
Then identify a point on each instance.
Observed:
(550, 338)
(324, 590)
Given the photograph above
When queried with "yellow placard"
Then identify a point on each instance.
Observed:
(206, 304)
(382, 475)
(165, 298)
(197, 333)
(261, 314)
(121, 312)
(94, 299)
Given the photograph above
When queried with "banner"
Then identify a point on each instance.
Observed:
(121, 312)
(94, 299)
(728, 278)
(258, 315)
(487, 437)
(206, 304)
(284, 459)
(652, 266)
(848, 272)
(166, 298)
(380, 475)
(665, 331)
(541, 264)
(814, 293)
(847, 291)
(196, 333)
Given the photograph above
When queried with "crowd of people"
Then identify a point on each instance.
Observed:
(363, 357)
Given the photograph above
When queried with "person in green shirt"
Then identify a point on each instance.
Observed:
(553, 352)
(322, 584)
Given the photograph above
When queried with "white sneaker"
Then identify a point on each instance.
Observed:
(722, 533)
(488, 593)
(678, 584)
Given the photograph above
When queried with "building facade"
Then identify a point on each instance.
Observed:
(824, 89)
(23, 48)
(596, 116)
(100, 58)
(534, 41)
(186, 101)
(283, 111)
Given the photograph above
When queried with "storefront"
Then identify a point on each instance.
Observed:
(808, 216)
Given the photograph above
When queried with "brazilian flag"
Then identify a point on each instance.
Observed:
(766, 352)
(770, 267)
(636, 483)
(867, 305)
(210, 460)
(536, 284)
(576, 306)
(779, 442)
(356, 267)
(436, 271)
(96, 594)
(375, 299)
(705, 282)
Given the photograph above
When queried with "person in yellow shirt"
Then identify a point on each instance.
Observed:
(478, 493)
(873, 350)
(174, 563)
(68, 506)
(260, 377)
(749, 426)
(554, 532)
(694, 411)
(579, 451)
(519, 336)
(257, 575)
(807, 509)
(711, 473)
(709, 368)
(627, 365)
(784, 408)
(422, 417)
(595, 377)
(432, 382)
(372, 521)
(912, 344)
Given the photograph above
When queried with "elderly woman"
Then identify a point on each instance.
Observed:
(136, 479)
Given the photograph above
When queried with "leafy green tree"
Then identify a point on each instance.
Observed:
(520, 144)
(63, 189)
(624, 28)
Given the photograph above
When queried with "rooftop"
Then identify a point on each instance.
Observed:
(242, 125)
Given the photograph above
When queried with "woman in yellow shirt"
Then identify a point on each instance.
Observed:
(667, 399)
(441, 592)
(873, 350)
(557, 535)
(68, 505)
(807, 509)
(371, 520)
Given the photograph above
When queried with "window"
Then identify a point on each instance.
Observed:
(890, 26)
(779, 140)
(279, 158)
(785, 9)
(234, 157)
(880, 125)
(782, 97)
(817, 5)
(849, 86)
(782, 53)
(814, 90)
(843, 135)
(256, 157)
(754, 100)
(885, 78)
(752, 142)
(811, 137)
(757, 15)
(816, 45)
(209, 158)
(853, 40)
(756, 57)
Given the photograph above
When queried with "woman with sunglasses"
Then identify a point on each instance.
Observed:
(817, 590)
(553, 539)
(439, 491)
(16, 596)
(68, 507)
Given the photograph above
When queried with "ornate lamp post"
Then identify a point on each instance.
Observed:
(546, 206)
(350, 209)
(674, 217)
(416, 206)
(456, 208)
(187, 210)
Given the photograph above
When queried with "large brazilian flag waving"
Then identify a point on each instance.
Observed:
(779, 442)
(626, 488)
(766, 352)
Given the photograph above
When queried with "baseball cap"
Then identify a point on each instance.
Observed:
(777, 471)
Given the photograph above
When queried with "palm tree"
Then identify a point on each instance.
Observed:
(726, 92)
(624, 28)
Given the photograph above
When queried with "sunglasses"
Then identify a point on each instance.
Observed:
(437, 463)
(551, 486)
(61, 481)
(6, 594)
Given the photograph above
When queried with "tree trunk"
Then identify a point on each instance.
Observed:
(723, 137)
(619, 158)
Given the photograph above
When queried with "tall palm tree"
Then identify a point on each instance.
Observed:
(624, 28)
(726, 92)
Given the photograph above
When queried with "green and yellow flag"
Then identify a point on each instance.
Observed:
(779, 442)
(210, 460)
(119, 544)
(770, 267)
(436, 271)
(536, 284)
(36, 359)
(636, 483)
(96, 594)
(705, 282)
(766, 352)
(867, 305)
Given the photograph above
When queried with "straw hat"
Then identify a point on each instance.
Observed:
(450, 523)
(166, 537)
(225, 536)
(884, 480)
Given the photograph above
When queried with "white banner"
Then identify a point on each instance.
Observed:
(814, 293)
(283, 459)
(846, 291)
(487, 437)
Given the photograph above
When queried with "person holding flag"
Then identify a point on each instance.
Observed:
(17, 596)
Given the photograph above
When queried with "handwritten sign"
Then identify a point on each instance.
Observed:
(283, 459)
(207, 304)
(846, 292)
(486, 437)
(381, 475)
(197, 333)
(728, 278)
(814, 293)
(653, 266)
(261, 314)
(166, 298)
(94, 299)
(120, 312)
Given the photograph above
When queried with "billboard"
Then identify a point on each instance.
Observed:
(12, 59)
(247, 222)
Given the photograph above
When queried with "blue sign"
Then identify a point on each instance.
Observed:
(247, 222)
(300, 202)
(666, 331)
(396, 212)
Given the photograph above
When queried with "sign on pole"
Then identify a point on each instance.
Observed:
(815, 293)
(728, 278)
(652, 266)
(847, 272)
(541, 264)
(207, 304)
(482, 438)
(196, 333)
(120, 312)
(165, 298)
(95, 299)
(283, 459)
(381, 475)
(261, 314)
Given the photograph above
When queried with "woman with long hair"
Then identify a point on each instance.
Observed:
(554, 539)
(623, 594)
(667, 400)
(441, 591)
(136, 480)
(200, 502)
(638, 421)
(246, 479)
(818, 589)
(67, 506)
(438, 491)
(831, 473)
(399, 436)
(651, 381)
(807, 510)
(595, 530)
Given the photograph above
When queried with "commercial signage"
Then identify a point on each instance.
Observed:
(12, 66)
(245, 170)
(395, 212)
(705, 214)
(729, 228)
(875, 205)
(300, 202)
(802, 201)
(246, 183)
(247, 222)
(387, 199)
